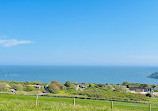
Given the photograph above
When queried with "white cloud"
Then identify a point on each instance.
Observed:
(12, 42)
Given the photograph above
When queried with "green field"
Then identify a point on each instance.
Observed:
(27, 103)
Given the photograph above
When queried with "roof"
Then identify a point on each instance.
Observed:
(35, 85)
(134, 88)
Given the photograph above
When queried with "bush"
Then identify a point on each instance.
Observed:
(100, 93)
(68, 84)
(17, 87)
(29, 88)
(56, 87)
(3, 87)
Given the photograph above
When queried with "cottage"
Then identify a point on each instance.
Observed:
(140, 90)
(36, 86)
(80, 87)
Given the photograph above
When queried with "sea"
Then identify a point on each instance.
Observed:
(80, 74)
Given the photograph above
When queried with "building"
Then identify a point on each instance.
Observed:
(140, 90)
(80, 87)
(36, 86)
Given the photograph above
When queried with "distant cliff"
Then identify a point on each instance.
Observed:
(153, 75)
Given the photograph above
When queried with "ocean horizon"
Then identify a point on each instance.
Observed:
(80, 74)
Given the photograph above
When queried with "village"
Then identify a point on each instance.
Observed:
(73, 88)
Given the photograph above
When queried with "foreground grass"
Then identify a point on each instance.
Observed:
(27, 103)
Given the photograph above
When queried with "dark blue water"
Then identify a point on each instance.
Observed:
(92, 74)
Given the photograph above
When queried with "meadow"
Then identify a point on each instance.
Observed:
(27, 103)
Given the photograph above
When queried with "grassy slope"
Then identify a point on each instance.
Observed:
(27, 103)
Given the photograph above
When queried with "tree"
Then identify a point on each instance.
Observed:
(38, 82)
(53, 88)
(68, 84)
(29, 88)
(56, 87)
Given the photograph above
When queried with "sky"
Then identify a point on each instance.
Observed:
(79, 32)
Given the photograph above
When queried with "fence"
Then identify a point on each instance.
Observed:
(147, 108)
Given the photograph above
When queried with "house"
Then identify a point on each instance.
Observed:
(80, 87)
(142, 90)
(36, 86)
(12, 90)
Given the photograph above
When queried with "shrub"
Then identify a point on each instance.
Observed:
(3, 87)
(68, 84)
(17, 87)
(29, 88)
(56, 87)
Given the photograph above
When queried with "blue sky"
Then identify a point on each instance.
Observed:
(79, 32)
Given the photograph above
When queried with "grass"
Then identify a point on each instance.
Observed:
(27, 103)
